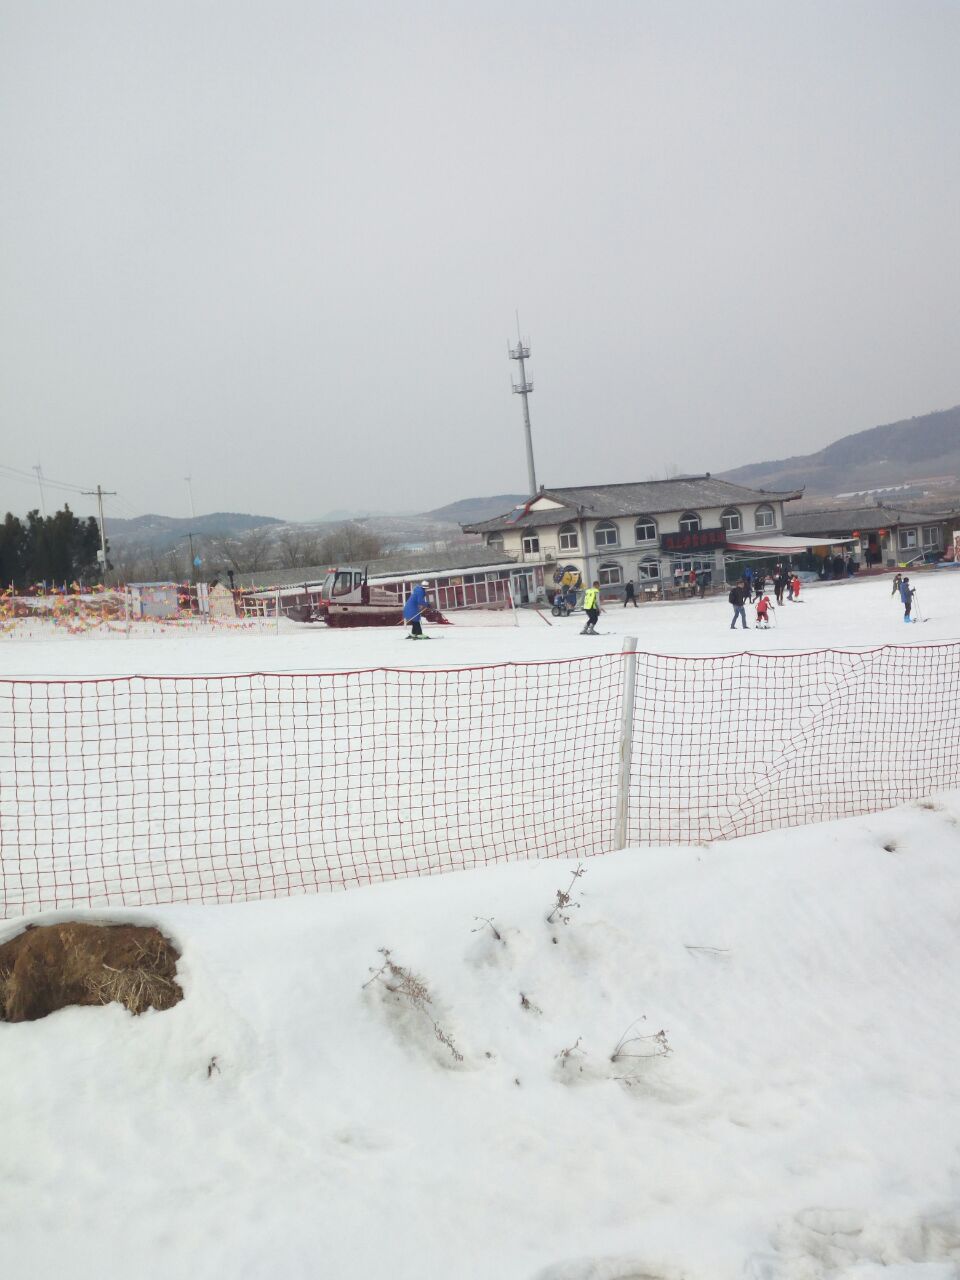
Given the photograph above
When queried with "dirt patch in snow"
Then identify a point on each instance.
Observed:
(48, 967)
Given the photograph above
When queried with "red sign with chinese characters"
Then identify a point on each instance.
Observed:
(703, 540)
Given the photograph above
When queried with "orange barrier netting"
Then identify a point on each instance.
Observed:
(143, 790)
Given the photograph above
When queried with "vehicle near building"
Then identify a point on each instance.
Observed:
(374, 595)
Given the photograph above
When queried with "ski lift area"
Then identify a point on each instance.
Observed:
(348, 596)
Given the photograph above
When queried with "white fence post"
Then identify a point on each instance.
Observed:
(626, 739)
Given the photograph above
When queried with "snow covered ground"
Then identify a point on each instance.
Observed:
(285, 1120)
(845, 615)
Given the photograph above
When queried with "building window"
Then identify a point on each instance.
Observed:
(645, 530)
(606, 534)
(609, 575)
(731, 520)
(908, 539)
(649, 570)
(931, 538)
(689, 522)
(495, 540)
(569, 541)
(682, 565)
(531, 543)
(764, 518)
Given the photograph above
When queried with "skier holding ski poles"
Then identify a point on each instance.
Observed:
(906, 595)
(414, 608)
(591, 607)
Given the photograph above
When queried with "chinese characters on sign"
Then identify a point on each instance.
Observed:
(705, 538)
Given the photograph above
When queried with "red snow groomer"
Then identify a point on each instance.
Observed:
(347, 599)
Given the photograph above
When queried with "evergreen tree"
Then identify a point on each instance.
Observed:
(13, 547)
(57, 549)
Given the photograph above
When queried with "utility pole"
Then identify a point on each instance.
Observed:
(100, 494)
(524, 388)
(193, 516)
(43, 506)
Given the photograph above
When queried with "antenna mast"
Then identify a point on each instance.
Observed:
(524, 388)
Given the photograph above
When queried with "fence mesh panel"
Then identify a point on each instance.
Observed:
(731, 746)
(223, 788)
(147, 790)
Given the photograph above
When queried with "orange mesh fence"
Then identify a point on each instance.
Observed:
(735, 745)
(223, 788)
(146, 790)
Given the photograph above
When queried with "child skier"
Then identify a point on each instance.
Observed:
(795, 589)
(906, 595)
(763, 619)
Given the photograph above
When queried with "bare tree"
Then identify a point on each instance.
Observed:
(139, 562)
(249, 553)
(297, 548)
(350, 543)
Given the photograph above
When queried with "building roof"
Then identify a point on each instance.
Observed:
(453, 559)
(836, 520)
(647, 497)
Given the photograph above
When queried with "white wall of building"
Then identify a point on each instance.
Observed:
(627, 551)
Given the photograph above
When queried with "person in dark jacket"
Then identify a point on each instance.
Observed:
(736, 598)
(629, 595)
(906, 595)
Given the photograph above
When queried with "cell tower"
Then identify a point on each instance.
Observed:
(524, 388)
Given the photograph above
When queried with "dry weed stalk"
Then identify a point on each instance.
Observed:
(405, 985)
(486, 920)
(656, 1043)
(574, 1050)
(564, 899)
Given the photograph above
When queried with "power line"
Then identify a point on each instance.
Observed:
(127, 507)
(31, 477)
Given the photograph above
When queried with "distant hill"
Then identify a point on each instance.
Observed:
(160, 532)
(921, 448)
(467, 510)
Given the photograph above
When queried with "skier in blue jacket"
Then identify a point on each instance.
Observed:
(415, 606)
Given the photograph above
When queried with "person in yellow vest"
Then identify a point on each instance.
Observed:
(591, 607)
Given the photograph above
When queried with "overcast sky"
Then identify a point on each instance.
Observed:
(278, 245)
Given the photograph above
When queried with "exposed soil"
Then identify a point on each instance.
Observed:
(48, 967)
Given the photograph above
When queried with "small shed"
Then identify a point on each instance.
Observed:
(221, 604)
